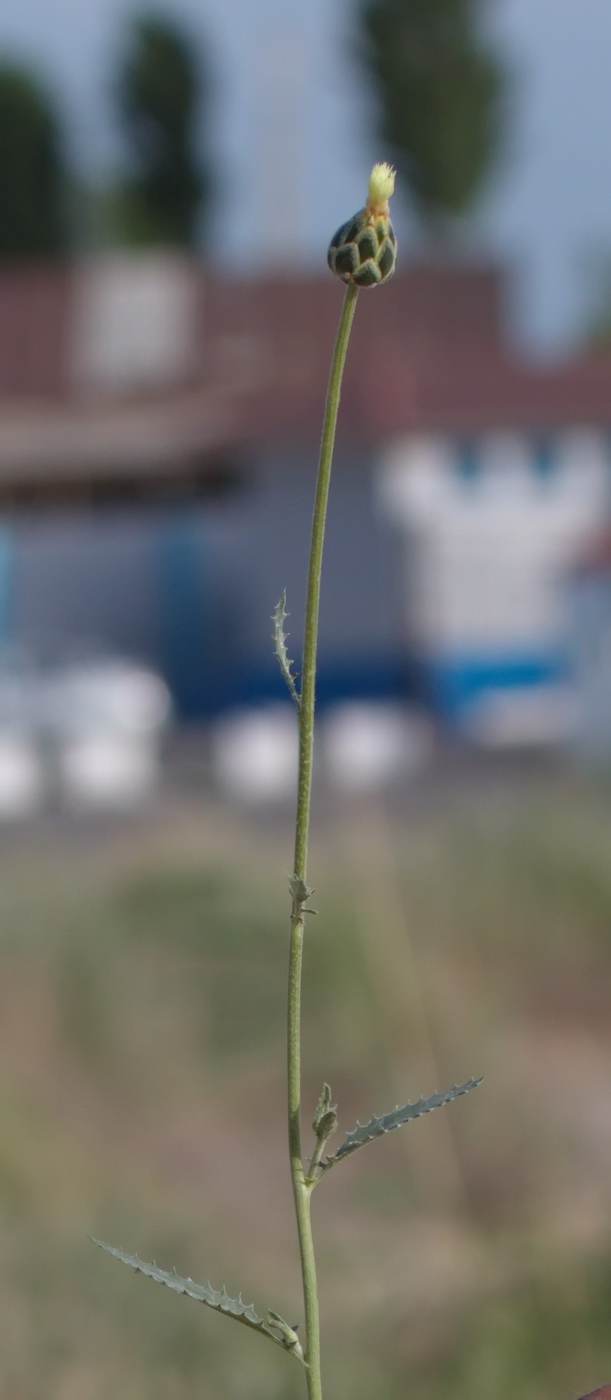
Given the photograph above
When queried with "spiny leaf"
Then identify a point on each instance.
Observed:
(213, 1298)
(366, 1132)
(280, 640)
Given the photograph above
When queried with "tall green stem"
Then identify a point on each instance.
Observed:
(301, 1188)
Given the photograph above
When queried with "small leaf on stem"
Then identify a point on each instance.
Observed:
(324, 1121)
(280, 639)
(300, 894)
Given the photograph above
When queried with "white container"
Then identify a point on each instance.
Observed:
(106, 718)
(107, 771)
(22, 779)
(370, 746)
(255, 754)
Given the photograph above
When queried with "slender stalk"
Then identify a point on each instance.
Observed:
(301, 1188)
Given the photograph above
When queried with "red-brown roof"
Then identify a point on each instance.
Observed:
(595, 558)
(428, 353)
(467, 393)
(34, 331)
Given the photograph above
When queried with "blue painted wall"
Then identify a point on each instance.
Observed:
(191, 588)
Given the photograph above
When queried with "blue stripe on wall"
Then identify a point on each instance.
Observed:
(183, 615)
(453, 684)
(7, 569)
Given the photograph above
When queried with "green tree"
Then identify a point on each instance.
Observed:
(160, 91)
(439, 89)
(33, 178)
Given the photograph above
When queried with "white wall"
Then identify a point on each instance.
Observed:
(135, 321)
(486, 553)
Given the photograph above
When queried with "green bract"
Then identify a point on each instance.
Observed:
(363, 252)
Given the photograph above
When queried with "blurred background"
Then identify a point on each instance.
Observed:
(171, 177)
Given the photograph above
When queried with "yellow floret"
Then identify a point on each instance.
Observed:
(381, 186)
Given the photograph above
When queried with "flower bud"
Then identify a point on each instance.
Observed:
(363, 252)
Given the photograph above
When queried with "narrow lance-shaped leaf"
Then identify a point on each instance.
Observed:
(376, 1127)
(280, 640)
(273, 1326)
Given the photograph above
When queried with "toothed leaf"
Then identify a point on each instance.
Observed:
(376, 1127)
(280, 640)
(213, 1298)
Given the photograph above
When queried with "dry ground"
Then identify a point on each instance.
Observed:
(142, 1096)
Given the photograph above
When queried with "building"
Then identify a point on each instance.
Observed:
(158, 440)
(588, 598)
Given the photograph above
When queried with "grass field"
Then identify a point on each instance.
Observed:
(142, 1097)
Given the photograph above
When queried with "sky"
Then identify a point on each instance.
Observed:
(291, 132)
